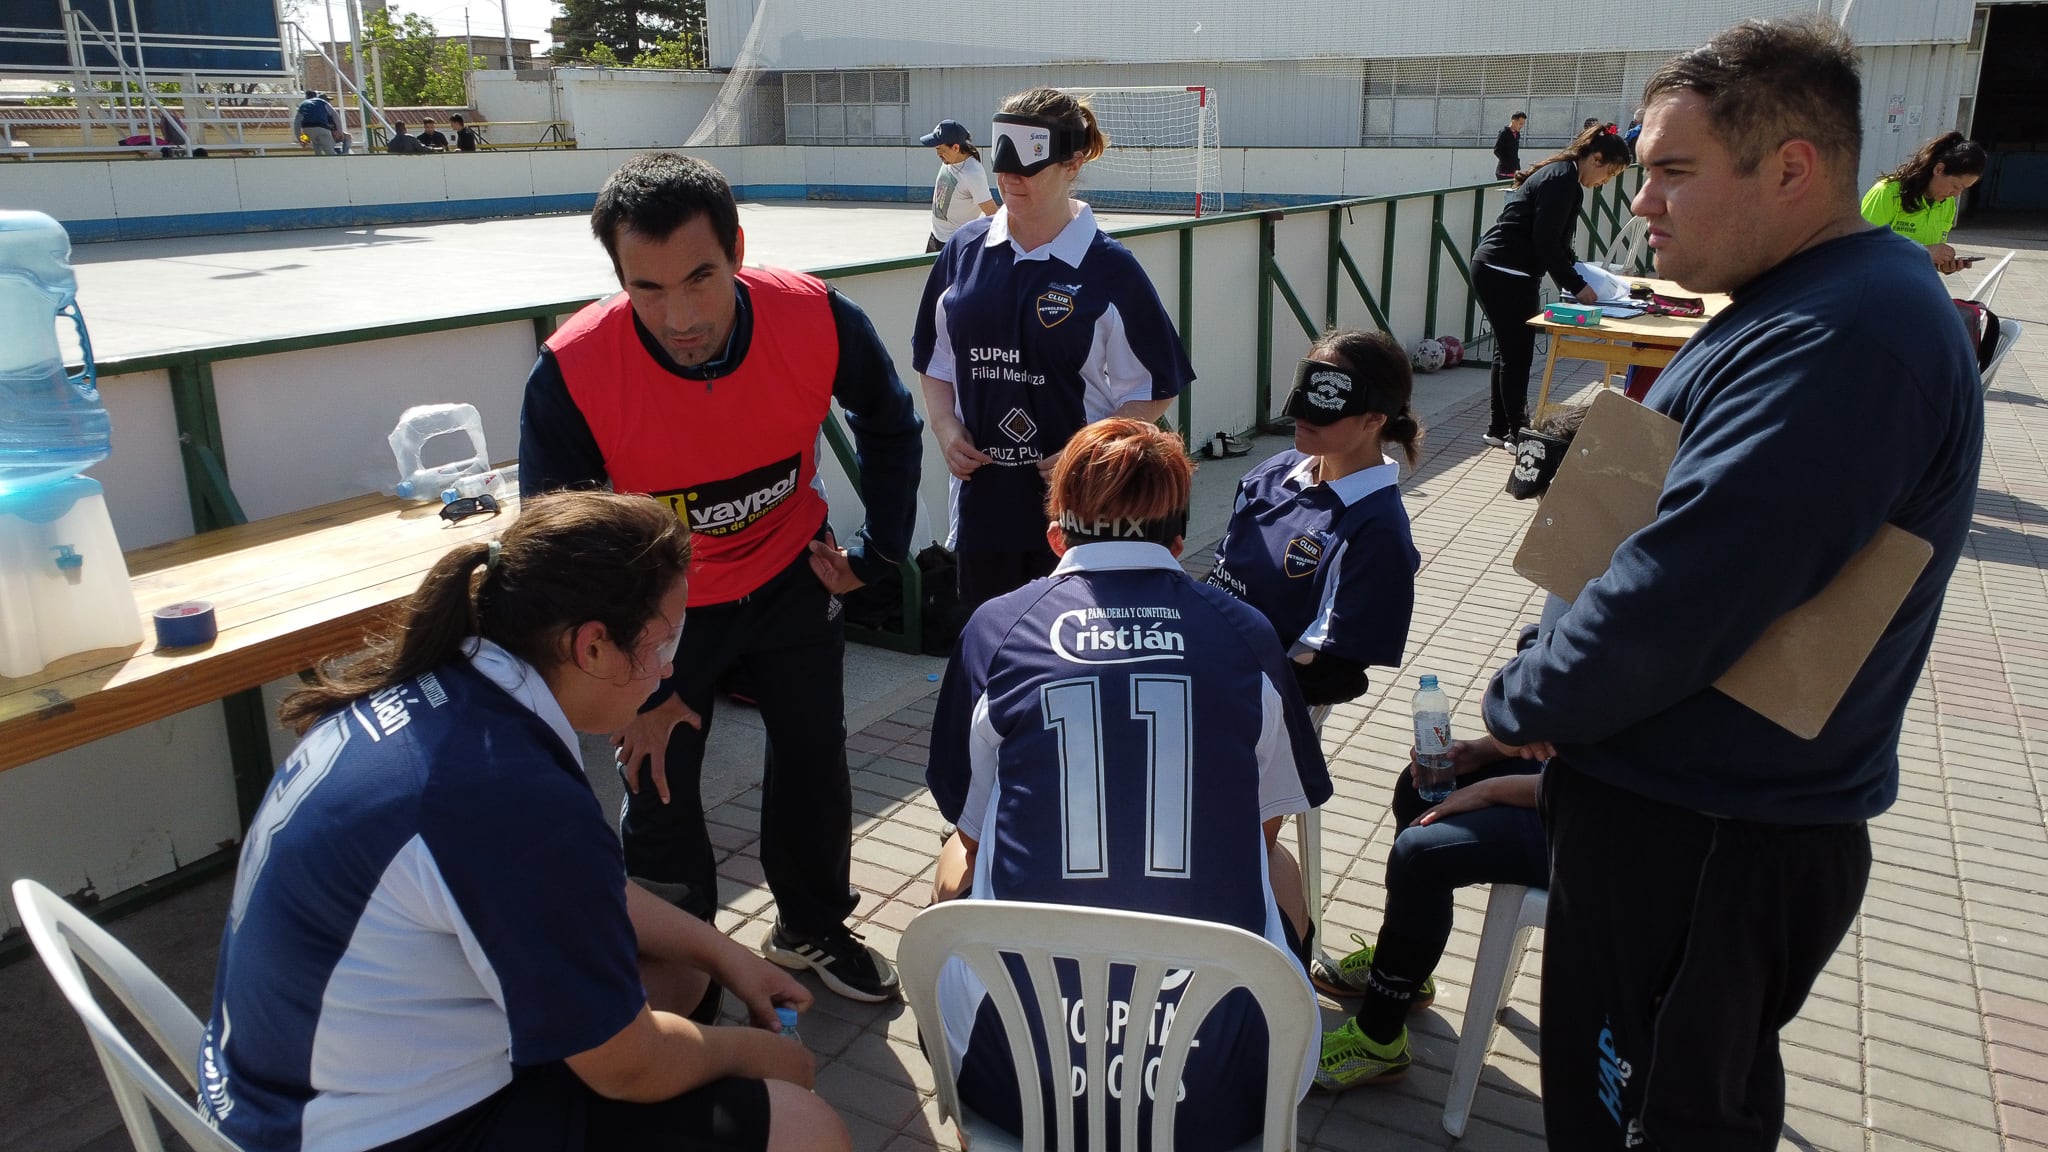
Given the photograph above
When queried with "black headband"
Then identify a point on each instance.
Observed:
(1324, 393)
(1061, 143)
(1162, 530)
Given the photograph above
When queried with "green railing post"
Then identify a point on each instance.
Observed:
(197, 413)
(543, 327)
(1436, 227)
(1472, 292)
(1358, 281)
(1336, 243)
(1263, 389)
(1387, 263)
(1187, 328)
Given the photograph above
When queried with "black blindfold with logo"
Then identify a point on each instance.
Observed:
(1026, 145)
(1324, 394)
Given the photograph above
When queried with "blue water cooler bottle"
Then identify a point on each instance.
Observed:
(63, 583)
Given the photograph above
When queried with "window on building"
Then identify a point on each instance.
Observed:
(845, 107)
(1462, 101)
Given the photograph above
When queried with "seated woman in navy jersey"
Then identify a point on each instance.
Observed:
(1319, 540)
(1096, 668)
(433, 944)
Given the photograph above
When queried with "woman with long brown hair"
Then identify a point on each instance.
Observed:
(433, 944)
(1168, 702)
(1918, 199)
(1534, 236)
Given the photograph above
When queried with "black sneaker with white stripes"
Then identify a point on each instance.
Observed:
(846, 965)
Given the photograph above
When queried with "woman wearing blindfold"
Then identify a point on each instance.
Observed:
(1319, 541)
(1033, 323)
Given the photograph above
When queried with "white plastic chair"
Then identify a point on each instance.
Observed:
(1988, 286)
(2008, 335)
(1511, 911)
(63, 936)
(1308, 844)
(1221, 957)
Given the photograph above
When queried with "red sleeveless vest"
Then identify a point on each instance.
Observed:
(736, 457)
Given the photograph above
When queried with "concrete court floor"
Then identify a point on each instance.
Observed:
(204, 290)
(1928, 1031)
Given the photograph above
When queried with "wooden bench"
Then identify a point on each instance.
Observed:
(288, 592)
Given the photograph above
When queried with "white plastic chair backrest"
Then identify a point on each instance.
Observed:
(1631, 242)
(63, 936)
(1988, 286)
(2008, 335)
(1221, 957)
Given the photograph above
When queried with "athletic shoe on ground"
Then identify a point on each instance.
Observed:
(846, 965)
(1347, 977)
(1350, 1058)
(1494, 439)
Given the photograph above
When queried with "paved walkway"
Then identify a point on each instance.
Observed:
(1928, 1031)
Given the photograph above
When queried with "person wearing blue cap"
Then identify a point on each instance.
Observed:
(961, 192)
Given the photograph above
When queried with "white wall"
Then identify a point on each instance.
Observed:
(835, 34)
(634, 107)
(1926, 81)
(513, 97)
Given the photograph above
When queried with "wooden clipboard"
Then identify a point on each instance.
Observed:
(1607, 489)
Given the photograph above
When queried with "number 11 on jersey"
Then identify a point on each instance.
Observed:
(1073, 708)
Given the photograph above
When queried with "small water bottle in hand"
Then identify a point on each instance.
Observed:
(1434, 778)
(787, 1015)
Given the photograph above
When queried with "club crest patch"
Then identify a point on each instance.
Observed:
(1304, 555)
(1054, 307)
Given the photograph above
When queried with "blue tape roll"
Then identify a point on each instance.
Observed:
(186, 625)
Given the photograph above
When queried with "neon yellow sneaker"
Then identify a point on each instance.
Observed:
(1351, 1058)
(1347, 977)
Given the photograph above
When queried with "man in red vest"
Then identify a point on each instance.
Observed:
(704, 385)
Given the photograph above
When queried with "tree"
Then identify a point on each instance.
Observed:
(419, 69)
(630, 28)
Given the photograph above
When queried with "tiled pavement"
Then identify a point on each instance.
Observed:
(1929, 1029)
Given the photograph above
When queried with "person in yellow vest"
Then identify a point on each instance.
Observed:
(1918, 198)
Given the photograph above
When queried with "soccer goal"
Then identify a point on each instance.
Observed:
(1163, 149)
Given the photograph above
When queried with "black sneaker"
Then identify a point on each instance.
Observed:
(847, 966)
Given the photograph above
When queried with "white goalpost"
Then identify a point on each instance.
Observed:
(1163, 149)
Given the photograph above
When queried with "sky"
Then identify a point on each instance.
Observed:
(529, 17)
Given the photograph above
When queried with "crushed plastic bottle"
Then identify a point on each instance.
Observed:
(497, 483)
(52, 424)
(419, 425)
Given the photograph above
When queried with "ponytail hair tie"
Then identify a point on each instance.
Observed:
(491, 560)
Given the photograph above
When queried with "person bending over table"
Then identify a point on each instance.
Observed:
(1176, 698)
(432, 942)
(1533, 236)
(1918, 199)
(1033, 323)
(1319, 540)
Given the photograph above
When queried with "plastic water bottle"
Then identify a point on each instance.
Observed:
(416, 427)
(498, 482)
(787, 1015)
(1434, 778)
(52, 425)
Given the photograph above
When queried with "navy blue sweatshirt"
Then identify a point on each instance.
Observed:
(557, 450)
(1834, 395)
(1536, 226)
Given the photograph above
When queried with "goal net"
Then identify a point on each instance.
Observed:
(1163, 150)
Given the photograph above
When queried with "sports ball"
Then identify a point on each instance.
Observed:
(1428, 355)
(1454, 350)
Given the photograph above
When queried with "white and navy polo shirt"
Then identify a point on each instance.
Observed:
(428, 896)
(1037, 344)
(1331, 565)
(1114, 736)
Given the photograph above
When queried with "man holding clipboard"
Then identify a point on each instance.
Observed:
(1706, 861)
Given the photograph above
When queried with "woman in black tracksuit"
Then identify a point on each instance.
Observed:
(1534, 236)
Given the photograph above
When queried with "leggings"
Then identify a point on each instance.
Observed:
(1509, 301)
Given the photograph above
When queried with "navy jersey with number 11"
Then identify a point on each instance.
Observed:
(1114, 736)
